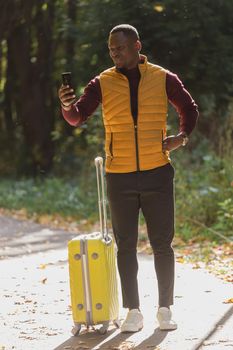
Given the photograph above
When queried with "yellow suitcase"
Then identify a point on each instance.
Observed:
(92, 270)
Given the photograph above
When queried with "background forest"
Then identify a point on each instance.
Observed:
(47, 166)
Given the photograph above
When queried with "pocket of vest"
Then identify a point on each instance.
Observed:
(110, 145)
(162, 142)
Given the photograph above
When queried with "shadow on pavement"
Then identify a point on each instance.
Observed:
(221, 322)
(154, 340)
(93, 340)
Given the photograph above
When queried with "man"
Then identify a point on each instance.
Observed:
(134, 95)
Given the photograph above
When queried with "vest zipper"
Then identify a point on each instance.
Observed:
(135, 126)
(136, 144)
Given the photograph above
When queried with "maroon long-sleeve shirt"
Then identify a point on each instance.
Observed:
(177, 95)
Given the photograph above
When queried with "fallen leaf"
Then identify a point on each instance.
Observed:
(228, 301)
(27, 337)
(27, 321)
(228, 278)
(223, 341)
(126, 345)
(208, 342)
(196, 266)
(42, 266)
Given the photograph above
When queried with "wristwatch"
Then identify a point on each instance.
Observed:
(185, 138)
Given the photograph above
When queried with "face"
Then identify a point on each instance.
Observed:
(123, 50)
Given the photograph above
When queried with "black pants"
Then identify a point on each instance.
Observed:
(152, 192)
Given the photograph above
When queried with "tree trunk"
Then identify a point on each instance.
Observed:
(33, 98)
(70, 50)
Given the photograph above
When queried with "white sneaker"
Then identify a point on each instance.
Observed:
(133, 321)
(164, 318)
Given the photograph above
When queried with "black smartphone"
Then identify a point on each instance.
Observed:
(66, 79)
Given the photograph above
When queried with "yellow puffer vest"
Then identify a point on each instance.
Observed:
(132, 147)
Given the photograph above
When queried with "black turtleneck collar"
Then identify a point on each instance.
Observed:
(132, 71)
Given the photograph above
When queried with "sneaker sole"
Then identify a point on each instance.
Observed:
(132, 329)
(168, 328)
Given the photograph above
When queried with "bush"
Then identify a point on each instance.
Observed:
(204, 194)
(49, 196)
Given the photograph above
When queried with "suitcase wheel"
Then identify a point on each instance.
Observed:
(103, 330)
(76, 329)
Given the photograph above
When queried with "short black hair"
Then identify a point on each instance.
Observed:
(127, 29)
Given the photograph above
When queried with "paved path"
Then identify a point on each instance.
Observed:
(34, 300)
(19, 238)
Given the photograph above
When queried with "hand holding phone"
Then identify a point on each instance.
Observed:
(66, 79)
(66, 92)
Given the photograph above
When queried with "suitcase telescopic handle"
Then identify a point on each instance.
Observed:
(101, 197)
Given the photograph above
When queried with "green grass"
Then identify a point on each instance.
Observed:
(50, 196)
(204, 195)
